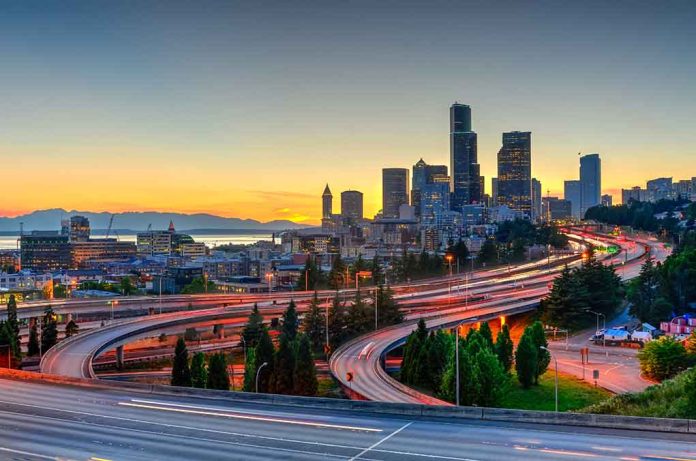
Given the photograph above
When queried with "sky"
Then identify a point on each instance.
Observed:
(247, 109)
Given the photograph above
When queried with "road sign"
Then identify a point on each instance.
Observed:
(349, 376)
(595, 374)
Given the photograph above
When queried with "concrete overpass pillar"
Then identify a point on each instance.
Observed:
(119, 357)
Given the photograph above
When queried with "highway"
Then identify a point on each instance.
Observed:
(49, 422)
(362, 358)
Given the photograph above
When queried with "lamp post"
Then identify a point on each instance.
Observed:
(449, 280)
(604, 326)
(556, 364)
(258, 372)
(376, 302)
(113, 301)
(244, 345)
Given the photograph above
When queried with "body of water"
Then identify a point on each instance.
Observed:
(8, 242)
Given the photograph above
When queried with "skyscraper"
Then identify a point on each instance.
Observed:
(464, 183)
(352, 205)
(537, 214)
(515, 171)
(424, 174)
(394, 191)
(572, 191)
(591, 182)
(326, 203)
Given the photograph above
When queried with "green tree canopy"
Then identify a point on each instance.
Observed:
(181, 373)
(305, 375)
(218, 377)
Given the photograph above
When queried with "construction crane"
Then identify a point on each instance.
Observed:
(111, 223)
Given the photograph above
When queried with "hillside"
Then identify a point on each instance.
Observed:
(674, 398)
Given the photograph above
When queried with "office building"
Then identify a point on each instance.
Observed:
(572, 191)
(591, 181)
(465, 183)
(395, 191)
(352, 205)
(635, 194)
(435, 200)
(494, 192)
(536, 200)
(515, 172)
(45, 251)
(555, 209)
(607, 200)
(659, 189)
(424, 174)
(76, 228)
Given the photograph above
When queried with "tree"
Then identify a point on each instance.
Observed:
(284, 368)
(250, 371)
(504, 348)
(311, 276)
(49, 330)
(376, 269)
(526, 360)
(460, 251)
(338, 323)
(126, 286)
(253, 327)
(315, 324)
(218, 377)
(181, 374)
(488, 254)
(199, 373)
(543, 356)
(265, 353)
(412, 353)
(388, 312)
(305, 376)
(7, 338)
(12, 321)
(662, 359)
(199, 285)
(492, 378)
(691, 344)
(567, 303)
(359, 316)
(33, 345)
(469, 384)
(290, 321)
(486, 334)
(71, 329)
(337, 275)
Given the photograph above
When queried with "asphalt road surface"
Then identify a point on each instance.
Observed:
(48, 422)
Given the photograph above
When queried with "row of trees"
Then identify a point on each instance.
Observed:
(290, 368)
(590, 287)
(665, 358)
(485, 365)
(197, 373)
(641, 215)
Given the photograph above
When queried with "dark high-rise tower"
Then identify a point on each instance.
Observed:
(465, 183)
(394, 191)
(515, 171)
(326, 203)
(590, 182)
(352, 205)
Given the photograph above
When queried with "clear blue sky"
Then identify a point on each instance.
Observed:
(247, 109)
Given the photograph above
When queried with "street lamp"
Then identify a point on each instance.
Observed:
(556, 363)
(604, 326)
(113, 301)
(244, 344)
(258, 372)
(448, 258)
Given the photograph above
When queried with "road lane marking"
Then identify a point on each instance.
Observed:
(27, 453)
(197, 410)
(379, 442)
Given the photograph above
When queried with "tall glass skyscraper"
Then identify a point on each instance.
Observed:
(394, 191)
(465, 183)
(572, 192)
(591, 182)
(515, 171)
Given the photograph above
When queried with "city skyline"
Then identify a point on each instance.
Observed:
(247, 112)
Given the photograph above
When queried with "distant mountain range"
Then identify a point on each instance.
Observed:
(139, 221)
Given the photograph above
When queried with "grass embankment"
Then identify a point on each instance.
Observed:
(670, 399)
(573, 394)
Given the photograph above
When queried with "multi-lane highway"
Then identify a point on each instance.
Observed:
(49, 422)
(361, 359)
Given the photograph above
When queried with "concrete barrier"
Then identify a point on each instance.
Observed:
(682, 426)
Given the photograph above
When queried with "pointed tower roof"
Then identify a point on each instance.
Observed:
(327, 191)
(421, 162)
(171, 227)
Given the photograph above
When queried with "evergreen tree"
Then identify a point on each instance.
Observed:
(250, 371)
(311, 276)
(49, 330)
(360, 316)
(337, 275)
(567, 303)
(358, 265)
(12, 321)
(438, 353)
(181, 374)
(290, 321)
(7, 338)
(388, 312)
(305, 376)
(645, 295)
(376, 269)
(691, 343)
(265, 353)
(526, 360)
(492, 378)
(486, 335)
(488, 254)
(253, 327)
(460, 251)
(315, 324)
(504, 348)
(218, 377)
(33, 345)
(469, 383)
(543, 356)
(199, 373)
(284, 368)
(338, 323)
(71, 329)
